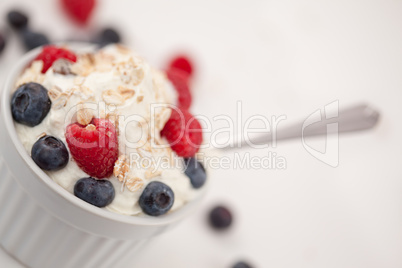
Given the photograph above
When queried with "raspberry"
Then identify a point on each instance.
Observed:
(180, 82)
(182, 63)
(79, 10)
(94, 147)
(50, 54)
(183, 132)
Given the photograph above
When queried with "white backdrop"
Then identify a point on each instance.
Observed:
(278, 57)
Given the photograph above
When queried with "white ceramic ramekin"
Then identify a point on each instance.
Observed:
(43, 225)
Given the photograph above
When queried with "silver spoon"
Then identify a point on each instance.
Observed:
(356, 118)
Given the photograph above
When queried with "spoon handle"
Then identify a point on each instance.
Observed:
(355, 118)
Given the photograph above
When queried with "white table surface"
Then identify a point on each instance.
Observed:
(278, 57)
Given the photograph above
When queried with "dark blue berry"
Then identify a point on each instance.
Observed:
(33, 40)
(196, 172)
(99, 193)
(109, 36)
(17, 19)
(30, 104)
(241, 265)
(156, 199)
(2, 43)
(50, 153)
(220, 218)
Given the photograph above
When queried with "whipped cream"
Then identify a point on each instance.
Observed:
(113, 83)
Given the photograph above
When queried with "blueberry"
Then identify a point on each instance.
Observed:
(30, 104)
(50, 153)
(99, 193)
(241, 265)
(220, 218)
(2, 43)
(32, 39)
(196, 172)
(109, 36)
(156, 199)
(17, 19)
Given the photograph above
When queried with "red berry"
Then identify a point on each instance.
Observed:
(182, 63)
(79, 10)
(183, 132)
(180, 82)
(94, 147)
(50, 54)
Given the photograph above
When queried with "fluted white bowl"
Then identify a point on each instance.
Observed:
(42, 225)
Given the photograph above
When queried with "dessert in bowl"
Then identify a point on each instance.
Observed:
(73, 157)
